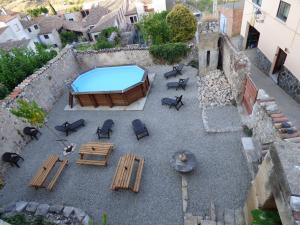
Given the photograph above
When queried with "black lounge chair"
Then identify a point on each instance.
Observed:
(105, 130)
(139, 129)
(180, 84)
(32, 132)
(70, 127)
(173, 73)
(171, 102)
(12, 158)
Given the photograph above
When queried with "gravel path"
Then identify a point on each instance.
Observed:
(221, 173)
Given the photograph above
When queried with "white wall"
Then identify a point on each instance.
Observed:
(53, 39)
(8, 34)
(159, 5)
(34, 32)
(17, 28)
(274, 33)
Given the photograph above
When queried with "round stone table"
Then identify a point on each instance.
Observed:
(186, 165)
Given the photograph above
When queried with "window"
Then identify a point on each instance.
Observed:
(71, 19)
(36, 27)
(46, 36)
(96, 36)
(29, 30)
(283, 10)
(207, 58)
(133, 19)
(257, 2)
(55, 45)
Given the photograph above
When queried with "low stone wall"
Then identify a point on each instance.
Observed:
(113, 57)
(236, 67)
(262, 62)
(289, 83)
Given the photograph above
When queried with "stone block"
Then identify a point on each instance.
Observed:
(68, 211)
(31, 207)
(79, 214)
(20, 206)
(208, 222)
(42, 210)
(239, 216)
(229, 216)
(56, 209)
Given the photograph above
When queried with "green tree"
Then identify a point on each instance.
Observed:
(182, 23)
(30, 111)
(37, 11)
(102, 43)
(154, 27)
(261, 217)
(68, 37)
(52, 8)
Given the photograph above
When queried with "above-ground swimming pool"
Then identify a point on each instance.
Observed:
(109, 86)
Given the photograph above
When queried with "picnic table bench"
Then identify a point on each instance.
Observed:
(42, 174)
(124, 171)
(96, 149)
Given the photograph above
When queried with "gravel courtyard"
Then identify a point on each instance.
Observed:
(221, 175)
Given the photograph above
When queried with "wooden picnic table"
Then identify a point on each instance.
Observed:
(42, 174)
(124, 171)
(97, 149)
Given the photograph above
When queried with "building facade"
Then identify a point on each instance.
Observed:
(273, 27)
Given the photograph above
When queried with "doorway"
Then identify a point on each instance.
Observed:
(253, 37)
(280, 60)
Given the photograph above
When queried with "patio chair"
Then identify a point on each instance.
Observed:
(171, 102)
(105, 130)
(180, 84)
(67, 127)
(139, 129)
(173, 73)
(32, 132)
(12, 158)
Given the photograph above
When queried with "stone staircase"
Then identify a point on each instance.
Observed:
(217, 217)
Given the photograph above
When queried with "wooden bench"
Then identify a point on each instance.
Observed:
(42, 174)
(91, 162)
(124, 170)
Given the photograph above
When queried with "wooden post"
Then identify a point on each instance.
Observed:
(71, 100)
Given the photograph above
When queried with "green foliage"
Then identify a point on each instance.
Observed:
(202, 5)
(182, 23)
(68, 37)
(20, 219)
(194, 63)
(169, 53)
(3, 91)
(16, 65)
(154, 27)
(261, 217)
(30, 111)
(91, 222)
(74, 9)
(37, 11)
(102, 41)
(52, 8)
(84, 47)
(104, 219)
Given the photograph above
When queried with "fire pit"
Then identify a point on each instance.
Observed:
(183, 161)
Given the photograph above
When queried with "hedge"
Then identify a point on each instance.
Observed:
(169, 53)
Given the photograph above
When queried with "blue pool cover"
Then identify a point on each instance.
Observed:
(105, 79)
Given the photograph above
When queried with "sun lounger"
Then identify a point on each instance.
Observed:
(32, 132)
(173, 102)
(12, 158)
(180, 84)
(70, 127)
(173, 73)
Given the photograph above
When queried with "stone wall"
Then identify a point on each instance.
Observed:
(262, 62)
(236, 67)
(289, 83)
(113, 57)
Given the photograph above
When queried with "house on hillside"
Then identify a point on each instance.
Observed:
(272, 28)
(24, 43)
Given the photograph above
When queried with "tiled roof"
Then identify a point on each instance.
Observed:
(9, 45)
(27, 23)
(2, 29)
(49, 23)
(95, 14)
(131, 8)
(73, 26)
(7, 18)
(106, 21)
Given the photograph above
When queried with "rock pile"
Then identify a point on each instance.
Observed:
(214, 89)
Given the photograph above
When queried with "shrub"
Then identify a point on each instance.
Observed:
(68, 37)
(3, 91)
(108, 31)
(169, 53)
(103, 43)
(182, 23)
(261, 217)
(154, 27)
(30, 111)
(37, 11)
